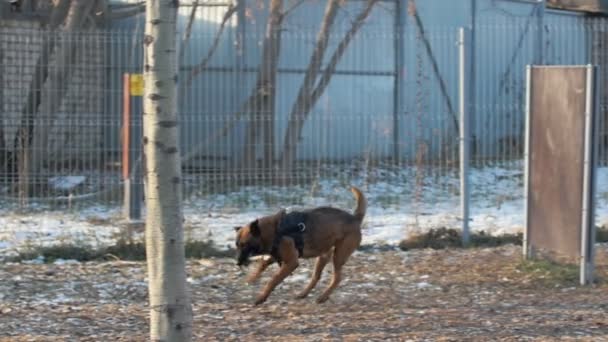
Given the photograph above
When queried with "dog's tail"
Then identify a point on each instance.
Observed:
(361, 204)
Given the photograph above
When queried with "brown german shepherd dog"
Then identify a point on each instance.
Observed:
(324, 232)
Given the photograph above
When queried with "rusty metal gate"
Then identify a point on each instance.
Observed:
(560, 164)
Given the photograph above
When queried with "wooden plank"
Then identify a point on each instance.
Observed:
(589, 6)
(557, 126)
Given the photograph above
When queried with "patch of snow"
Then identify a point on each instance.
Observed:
(210, 277)
(66, 183)
(370, 285)
(46, 228)
(39, 260)
(423, 285)
(297, 278)
(66, 262)
(397, 208)
(62, 298)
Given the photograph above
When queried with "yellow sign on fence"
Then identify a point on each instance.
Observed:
(136, 84)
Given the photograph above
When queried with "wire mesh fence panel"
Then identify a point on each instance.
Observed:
(269, 121)
(340, 128)
(502, 51)
(61, 115)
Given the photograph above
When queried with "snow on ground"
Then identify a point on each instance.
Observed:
(19, 231)
(66, 183)
(400, 203)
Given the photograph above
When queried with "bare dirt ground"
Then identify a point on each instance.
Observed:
(423, 295)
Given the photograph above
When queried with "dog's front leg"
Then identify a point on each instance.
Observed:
(289, 255)
(262, 266)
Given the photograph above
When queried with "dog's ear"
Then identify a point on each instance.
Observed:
(237, 228)
(254, 228)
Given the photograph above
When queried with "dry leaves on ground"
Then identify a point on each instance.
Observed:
(445, 295)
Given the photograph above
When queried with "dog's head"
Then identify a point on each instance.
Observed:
(254, 238)
(248, 242)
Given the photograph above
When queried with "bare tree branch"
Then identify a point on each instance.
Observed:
(337, 55)
(197, 69)
(246, 107)
(262, 114)
(56, 85)
(27, 131)
(302, 102)
(302, 107)
(429, 51)
(125, 11)
(55, 19)
(188, 31)
(261, 100)
(291, 8)
(112, 12)
(57, 14)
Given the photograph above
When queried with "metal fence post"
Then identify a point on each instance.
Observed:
(463, 108)
(540, 13)
(588, 222)
(399, 55)
(526, 251)
(472, 82)
(131, 150)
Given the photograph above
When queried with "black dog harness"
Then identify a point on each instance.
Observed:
(293, 225)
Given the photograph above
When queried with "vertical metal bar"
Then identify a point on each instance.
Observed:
(126, 142)
(126, 120)
(4, 124)
(595, 143)
(526, 249)
(473, 79)
(131, 151)
(136, 158)
(464, 133)
(398, 84)
(540, 14)
(586, 274)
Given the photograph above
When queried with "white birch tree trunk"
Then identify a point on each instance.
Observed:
(170, 308)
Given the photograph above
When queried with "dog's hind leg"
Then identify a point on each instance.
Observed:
(262, 266)
(319, 266)
(342, 252)
(289, 255)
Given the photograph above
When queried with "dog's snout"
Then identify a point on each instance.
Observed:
(242, 262)
(244, 253)
(242, 258)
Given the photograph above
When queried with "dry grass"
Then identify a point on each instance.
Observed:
(123, 250)
(451, 238)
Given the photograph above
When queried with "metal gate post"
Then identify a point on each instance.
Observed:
(399, 55)
(132, 148)
(588, 222)
(540, 16)
(525, 249)
(464, 143)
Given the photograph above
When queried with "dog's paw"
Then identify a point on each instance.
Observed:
(302, 295)
(322, 299)
(259, 300)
